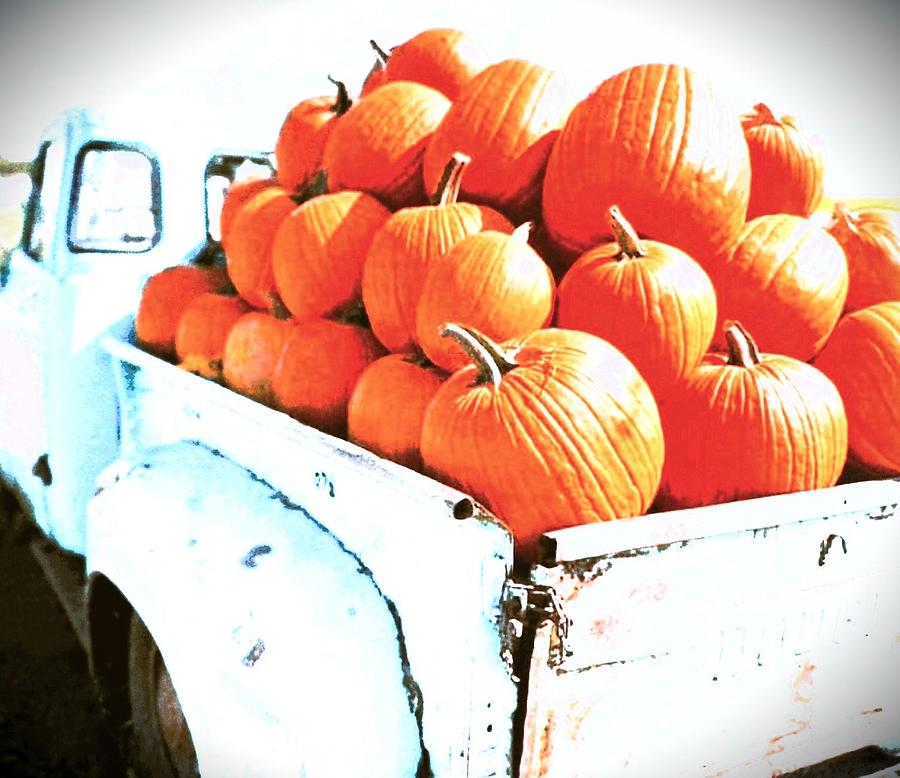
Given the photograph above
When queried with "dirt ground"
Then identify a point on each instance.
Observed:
(50, 723)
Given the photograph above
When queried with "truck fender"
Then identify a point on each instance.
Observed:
(285, 653)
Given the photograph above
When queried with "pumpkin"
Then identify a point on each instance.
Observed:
(786, 281)
(506, 119)
(555, 430)
(202, 329)
(406, 245)
(649, 299)
(375, 77)
(378, 145)
(870, 238)
(248, 255)
(319, 249)
(862, 358)
(659, 141)
(387, 405)
(251, 353)
(298, 147)
(786, 167)
(442, 58)
(749, 424)
(164, 297)
(236, 195)
(317, 369)
(492, 281)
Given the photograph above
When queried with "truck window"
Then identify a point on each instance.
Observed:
(223, 170)
(115, 200)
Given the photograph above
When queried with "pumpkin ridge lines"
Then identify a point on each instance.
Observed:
(652, 140)
(681, 121)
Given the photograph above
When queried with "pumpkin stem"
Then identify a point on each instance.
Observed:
(522, 233)
(342, 102)
(630, 245)
(355, 313)
(447, 191)
(315, 186)
(382, 55)
(419, 359)
(762, 114)
(277, 308)
(491, 360)
(742, 350)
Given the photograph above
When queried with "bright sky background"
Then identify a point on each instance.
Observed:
(233, 65)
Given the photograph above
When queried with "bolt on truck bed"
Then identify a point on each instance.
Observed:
(744, 639)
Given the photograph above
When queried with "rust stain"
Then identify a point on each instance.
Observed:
(546, 744)
(602, 626)
(804, 678)
(776, 742)
(870, 712)
(655, 592)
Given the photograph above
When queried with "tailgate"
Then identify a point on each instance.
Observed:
(751, 638)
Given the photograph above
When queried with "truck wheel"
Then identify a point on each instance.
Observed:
(161, 741)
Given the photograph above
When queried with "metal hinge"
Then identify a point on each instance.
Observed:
(529, 605)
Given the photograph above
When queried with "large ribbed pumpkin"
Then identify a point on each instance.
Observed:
(648, 299)
(301, 139)
(659, 141)
(870, 238)
(317, 369)
(319, 250)
(558, 431)
(506, 119)
(492, 281)
(785, 281)
(252, 349)
(203, 329)
(405, 246)
(379, 144)
(862, 358)
(747, 424)
(786, 167)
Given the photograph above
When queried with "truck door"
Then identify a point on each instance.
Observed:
(746, 639)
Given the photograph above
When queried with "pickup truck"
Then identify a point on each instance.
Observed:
(258, 598)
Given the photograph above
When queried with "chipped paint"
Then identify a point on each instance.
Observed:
(254, 654)
(250, 559)
(887, 512)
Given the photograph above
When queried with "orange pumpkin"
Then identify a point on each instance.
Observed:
(301, 139)
(375, 77)
(405, 246)
(252, 349)
(317, 369)
(388, 403)
(870, 238)
(202, 330)
(164, 297)
(862, 358)
(442, 58)
(506, 119)
(786, 281)
(248, 255)
(319, 249)
(491, 281)
(558, 430)
(378, 145)
(659, 141)
(786, 167)
(747, 424)
(235, 196)
(648, 299)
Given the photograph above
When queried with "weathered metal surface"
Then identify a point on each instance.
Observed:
(744, 639)
(239, 539)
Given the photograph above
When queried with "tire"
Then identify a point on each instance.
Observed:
(161, 744)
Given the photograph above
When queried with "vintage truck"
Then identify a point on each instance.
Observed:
(258, 598)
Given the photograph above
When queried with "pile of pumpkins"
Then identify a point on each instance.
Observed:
(574, 310)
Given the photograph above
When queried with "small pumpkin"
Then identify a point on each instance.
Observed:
(506, 119)
(251, 353)
(870, 238)
(405, 246)
(301, 139)
(164, 297)
(660, 141)
(492, 281)
(203, 329)
(749, 424)
(862, 358)
(555, 430)
(647, 298)
(387, 405)
(786, 281)
(442, 58)
(319, 250)
(787, 167)
(379, 144)
(236, 195)
(317, 369)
